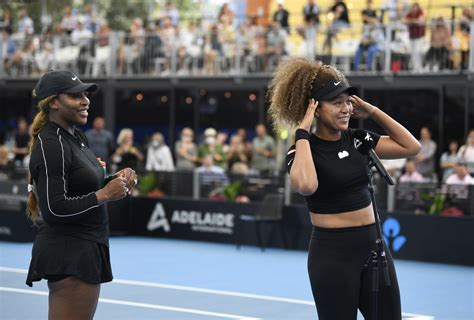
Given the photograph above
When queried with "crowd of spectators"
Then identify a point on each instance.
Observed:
(83, 41)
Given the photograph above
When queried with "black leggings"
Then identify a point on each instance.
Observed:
(341, 283)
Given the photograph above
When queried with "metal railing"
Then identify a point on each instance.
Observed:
(188, 53)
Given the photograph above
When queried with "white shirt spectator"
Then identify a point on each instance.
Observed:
(81, 36)
(455, 179)
(159, 158)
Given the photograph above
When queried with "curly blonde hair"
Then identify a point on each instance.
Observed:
(291, 86)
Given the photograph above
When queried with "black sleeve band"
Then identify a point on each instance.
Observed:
(301, 134)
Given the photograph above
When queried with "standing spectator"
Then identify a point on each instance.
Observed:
(438, 55)
(171, 12)
(263, 150)
(281, 15)
(227, 12)
(397, 10)
(242, 132)
(461, 175)
(425, 161)
(6, 21)
(340, 19)
(465, 36)
(415, 20)
(449, 159)
(22, 138)
(311, 23)
(158, 156)
(25, 23)
(186, 150)
(69, 21)
(101, 140)
(209, 146)
(103, 34)
(466, 151)
(127, 154)
(411, 174)
(236, 154)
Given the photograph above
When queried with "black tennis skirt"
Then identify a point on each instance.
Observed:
(60, 256)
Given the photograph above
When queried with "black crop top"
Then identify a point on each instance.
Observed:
(342, 174)
(67, 175)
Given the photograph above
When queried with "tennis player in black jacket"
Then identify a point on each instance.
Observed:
(68, 184)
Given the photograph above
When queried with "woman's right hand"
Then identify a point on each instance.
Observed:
(309, 115)
(116, 189)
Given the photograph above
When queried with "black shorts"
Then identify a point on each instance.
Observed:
(59, 256)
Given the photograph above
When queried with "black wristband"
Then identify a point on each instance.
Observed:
(301, 134)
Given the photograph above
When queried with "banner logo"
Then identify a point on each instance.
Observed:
(158, 219)
(391, 231)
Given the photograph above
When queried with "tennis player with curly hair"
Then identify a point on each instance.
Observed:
(332, 175)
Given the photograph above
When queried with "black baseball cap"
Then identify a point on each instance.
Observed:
(332, 89)
(55, 82)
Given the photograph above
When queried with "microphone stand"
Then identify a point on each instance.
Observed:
(377, 256)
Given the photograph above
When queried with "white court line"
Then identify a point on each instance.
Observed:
(140, 305)
(192, 289)
(218, 292)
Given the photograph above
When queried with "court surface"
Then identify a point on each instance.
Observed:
(175, 279)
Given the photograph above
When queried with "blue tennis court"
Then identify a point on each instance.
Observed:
(175, 279)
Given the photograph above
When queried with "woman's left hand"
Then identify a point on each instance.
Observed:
(362, 109)
(130, 176)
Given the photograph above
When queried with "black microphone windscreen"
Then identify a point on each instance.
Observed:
(363, 141)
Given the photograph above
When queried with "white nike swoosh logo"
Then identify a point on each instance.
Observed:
(337, 83)
(74, 79)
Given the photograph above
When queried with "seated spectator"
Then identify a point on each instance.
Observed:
(22, 139)
(394, 166)
(277, 42)
(209, 146)
(372, 42)
(186, 150)
(44, 56)
(82, 38)
(69, 21)
(466, 151)
(208, 166)
(221, 140)
(23, 57)
(425, 162)
(8, 47)
(158, 156)
(411, 175)
(263, 155)
(127, 154)
(461, 175)
(7, 167)
(449, 159)
(437, 57)
(25, 24)
(369, 14)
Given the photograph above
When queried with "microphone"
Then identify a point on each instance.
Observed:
(364, 143)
